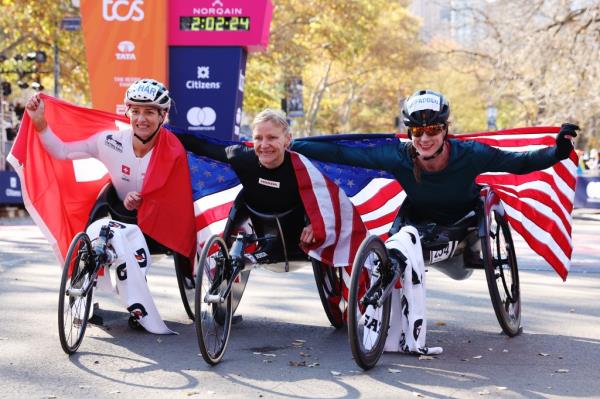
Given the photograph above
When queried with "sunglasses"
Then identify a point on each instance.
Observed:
(432, 130)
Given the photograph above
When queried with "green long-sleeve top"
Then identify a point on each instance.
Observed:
(442, 197)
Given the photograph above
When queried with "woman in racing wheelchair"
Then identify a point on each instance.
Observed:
(271, 200)
(437, 173)
(129, 155)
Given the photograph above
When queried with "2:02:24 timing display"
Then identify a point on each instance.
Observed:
(214, 23)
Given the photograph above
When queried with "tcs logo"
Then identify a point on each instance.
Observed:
(122, 10)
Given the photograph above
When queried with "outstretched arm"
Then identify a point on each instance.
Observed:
(378, 157)
(203, 147)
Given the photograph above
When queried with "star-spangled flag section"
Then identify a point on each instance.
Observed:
(538, 204)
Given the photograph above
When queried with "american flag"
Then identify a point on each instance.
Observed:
(538, 204)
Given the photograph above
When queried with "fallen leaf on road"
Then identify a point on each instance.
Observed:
(159, 340)
(418, 395)
(440, 323)
(542, 354)
(193, 393)
(295, 363)
(425, 357)
(315, 364)
(477, 357)
(562, 371)
(335, 373)
(394, 371)
(505, 350)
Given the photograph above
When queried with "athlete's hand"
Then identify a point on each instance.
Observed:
(35, 109)
(564, 143)
(132, 200)
(307, 237)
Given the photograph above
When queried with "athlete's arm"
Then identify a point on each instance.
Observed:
(378, 157)
(202, 147)
(492, 159)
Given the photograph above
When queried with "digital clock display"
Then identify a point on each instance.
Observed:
(195, 24)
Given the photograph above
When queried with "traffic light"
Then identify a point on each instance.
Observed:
(6, 89)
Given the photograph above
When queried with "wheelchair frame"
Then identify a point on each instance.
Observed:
(374, 276)
(223, 273)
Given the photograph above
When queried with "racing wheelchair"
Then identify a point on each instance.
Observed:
(481, 240)
(85, 259)
(252, 239)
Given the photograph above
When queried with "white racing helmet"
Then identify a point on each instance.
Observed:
(148, 92)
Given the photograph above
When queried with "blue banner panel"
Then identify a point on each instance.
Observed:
(207, 87)
(10, 188)
(587, 192)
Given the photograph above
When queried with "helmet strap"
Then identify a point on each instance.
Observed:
(435, 154)
(145, 141)
(439, 150)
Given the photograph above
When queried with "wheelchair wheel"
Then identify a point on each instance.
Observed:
(329, 284)
(501, 271)
(74, 308)
(368, 323)
(213, 313)
(186, 284)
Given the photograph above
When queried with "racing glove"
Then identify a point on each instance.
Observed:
(564, 146)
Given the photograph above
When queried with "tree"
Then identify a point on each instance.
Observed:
(354, 58)
(27, 26)
(541, 60)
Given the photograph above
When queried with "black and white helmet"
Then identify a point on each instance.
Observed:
(424, 108)
(148, 92)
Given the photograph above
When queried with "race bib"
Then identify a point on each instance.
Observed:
(268, 183)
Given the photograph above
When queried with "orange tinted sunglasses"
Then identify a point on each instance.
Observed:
(432, 130)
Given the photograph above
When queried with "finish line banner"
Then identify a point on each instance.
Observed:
(125, 40)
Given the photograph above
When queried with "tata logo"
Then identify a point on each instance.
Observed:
(125, 51)
(126, 46)
(201, 118)
(122, 10)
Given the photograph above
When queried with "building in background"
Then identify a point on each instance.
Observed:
(455, 20)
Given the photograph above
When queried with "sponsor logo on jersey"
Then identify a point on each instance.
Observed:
(268, 183)
(112, 143)
(126, 170)
(115, 225)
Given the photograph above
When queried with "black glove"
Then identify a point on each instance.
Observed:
(564, 146)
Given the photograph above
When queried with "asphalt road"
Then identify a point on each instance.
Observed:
(285, 348)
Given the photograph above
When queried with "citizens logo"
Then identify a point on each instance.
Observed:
(125, 52)
(201, 118)
(202, 74)
(122, 10)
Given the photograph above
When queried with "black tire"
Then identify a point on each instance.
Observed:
(74, 310)
(367, 350)
(329, 284)
(134, 324)
(213, 320)
(501, 271)
(186, 284)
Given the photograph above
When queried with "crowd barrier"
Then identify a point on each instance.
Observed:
(587, 191)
